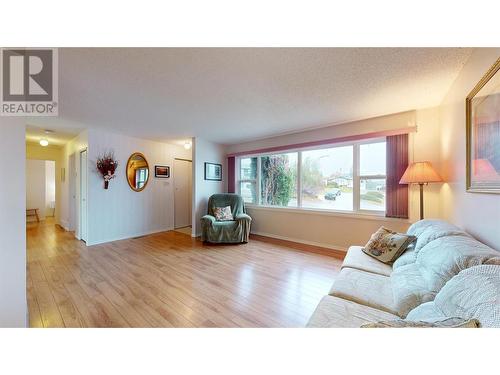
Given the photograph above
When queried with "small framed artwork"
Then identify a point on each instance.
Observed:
(162, 171)
(482, 107)
(213, 172)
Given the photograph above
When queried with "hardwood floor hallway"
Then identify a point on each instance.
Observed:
(171, 280)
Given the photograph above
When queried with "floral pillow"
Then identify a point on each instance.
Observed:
(223, 213)
(386, 245)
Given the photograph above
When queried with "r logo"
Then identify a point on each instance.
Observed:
(27, 75)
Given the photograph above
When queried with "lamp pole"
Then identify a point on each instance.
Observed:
(421, 184)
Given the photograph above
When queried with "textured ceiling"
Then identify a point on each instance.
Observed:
(239, 94)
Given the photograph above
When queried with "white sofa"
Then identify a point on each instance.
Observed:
(446, 273)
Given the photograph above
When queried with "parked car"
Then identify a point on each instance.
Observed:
(337, 191)
(331, 196)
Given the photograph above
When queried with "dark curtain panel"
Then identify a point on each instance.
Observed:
(396, 199)
(231, 166)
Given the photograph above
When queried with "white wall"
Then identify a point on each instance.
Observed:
(13, 304)
(478, 214)
(36, 186)
(50, 186)
(120, 212)
(339, 231)
(205, 151)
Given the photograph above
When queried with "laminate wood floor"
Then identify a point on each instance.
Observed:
(171, 280)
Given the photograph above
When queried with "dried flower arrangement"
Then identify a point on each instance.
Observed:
(106, 166)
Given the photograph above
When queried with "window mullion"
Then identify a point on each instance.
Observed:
(356, 179)
(257, 179)
(299, 179)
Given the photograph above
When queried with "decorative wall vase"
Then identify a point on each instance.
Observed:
(106, 165)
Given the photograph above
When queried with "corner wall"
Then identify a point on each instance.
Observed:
(477, 213)
(13, 303)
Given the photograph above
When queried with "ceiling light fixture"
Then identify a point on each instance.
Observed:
(44, 142)
(187, 145)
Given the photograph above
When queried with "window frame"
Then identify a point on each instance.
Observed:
(356, 209)
(255, 180)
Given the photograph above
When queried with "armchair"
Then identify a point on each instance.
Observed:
(235, 231)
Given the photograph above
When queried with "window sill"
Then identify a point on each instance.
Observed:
(344, 214)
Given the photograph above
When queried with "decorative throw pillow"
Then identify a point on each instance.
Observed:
(223, 213)
(447, 323)
(386, 245)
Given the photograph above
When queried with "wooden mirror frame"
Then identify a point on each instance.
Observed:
(469, 128)
(126, 172)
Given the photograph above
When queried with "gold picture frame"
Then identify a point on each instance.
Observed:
(482, 111)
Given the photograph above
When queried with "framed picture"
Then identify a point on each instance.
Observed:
(162, 171)
(482, 107)
(213, 172)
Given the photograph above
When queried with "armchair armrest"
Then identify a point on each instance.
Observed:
(209, 219)
(243, 217)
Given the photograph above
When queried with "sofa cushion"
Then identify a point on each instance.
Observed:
(365, 288)
(409, 289)
(419, 227)
(426, 312)
(473, 293)
(426, 231)
(357, 259)
(445, 257)
(386, 245)
(333, 312)
(431, 266)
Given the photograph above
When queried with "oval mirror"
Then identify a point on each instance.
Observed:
(137, 171)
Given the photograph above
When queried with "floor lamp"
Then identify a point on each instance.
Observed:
(420, 173)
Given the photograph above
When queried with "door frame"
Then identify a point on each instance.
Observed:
(190, 209)
(81, 222)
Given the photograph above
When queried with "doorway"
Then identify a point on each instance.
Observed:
(40, 190)
(83, 195)
(183, 186)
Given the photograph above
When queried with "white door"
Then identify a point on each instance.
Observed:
(182, 174)
(83, 195)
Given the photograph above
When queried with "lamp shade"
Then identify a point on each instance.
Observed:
(420, 172)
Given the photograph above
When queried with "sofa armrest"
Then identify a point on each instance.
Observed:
(243, 217)
(209, 219)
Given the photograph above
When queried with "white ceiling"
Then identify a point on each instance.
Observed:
(239, 94)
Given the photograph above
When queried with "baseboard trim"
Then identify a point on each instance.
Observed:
(127, 237)
(65, 225)
(303, 242)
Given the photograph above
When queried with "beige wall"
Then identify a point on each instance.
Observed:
(478, 214)
(335, 231)
(36, 152)
(339, 231)
(424, 146)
